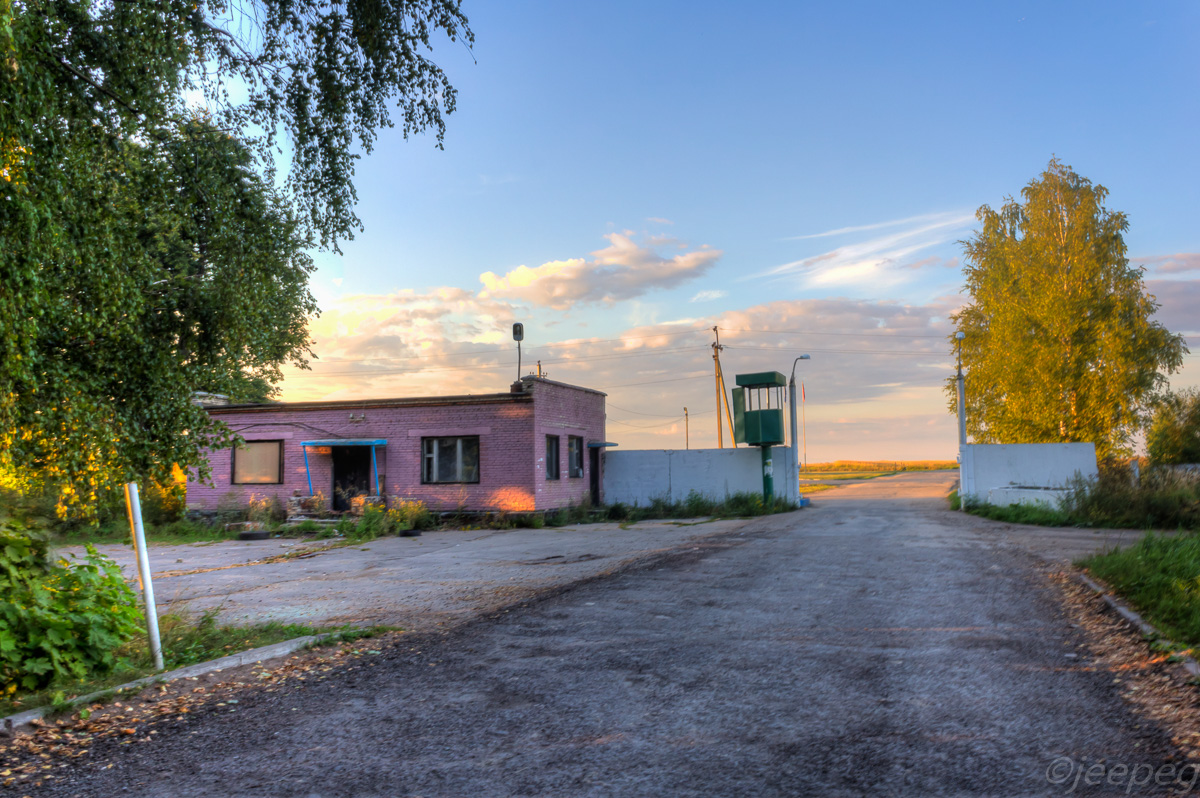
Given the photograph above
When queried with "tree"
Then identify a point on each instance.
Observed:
(145, 252)
(1173, 437)
(1060, 345)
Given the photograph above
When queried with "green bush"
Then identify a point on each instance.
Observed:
(413, 514)
(1173, 437)
(1160, 498)
(58, 619)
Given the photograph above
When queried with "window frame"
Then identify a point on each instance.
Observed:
(575, 451)
(429, 460)
(554, 471)
(233, 480)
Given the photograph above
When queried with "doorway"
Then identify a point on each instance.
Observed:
(594, 473)
(351, 475)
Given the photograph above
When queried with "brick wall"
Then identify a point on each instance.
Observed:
(511, 430)
(564, 410)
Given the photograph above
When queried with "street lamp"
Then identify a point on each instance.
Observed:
(792, 398)
(962, 400)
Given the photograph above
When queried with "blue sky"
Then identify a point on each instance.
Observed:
(622, 176)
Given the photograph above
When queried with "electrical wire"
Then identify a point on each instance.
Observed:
(486, 367)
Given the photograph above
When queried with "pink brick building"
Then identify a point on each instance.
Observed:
(535, 448)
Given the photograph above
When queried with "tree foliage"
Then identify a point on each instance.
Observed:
(145, 251)
(58, 618)
(1173, 437)
(1060, 342)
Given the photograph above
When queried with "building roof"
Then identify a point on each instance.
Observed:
(517, 397)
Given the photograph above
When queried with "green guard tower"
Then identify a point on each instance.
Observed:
(758, 418)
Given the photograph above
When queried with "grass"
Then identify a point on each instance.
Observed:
(1160, 577)
(186, 640)
(1160, 498)
(737, 505)
(166, 534)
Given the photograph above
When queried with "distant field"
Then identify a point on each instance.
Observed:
(889, 466)
(868, 469)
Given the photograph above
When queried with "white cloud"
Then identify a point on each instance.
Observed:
(708, 296)
(875, 263)
(623, 270)
(862, 228)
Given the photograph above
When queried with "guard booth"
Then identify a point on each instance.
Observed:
(758, 418)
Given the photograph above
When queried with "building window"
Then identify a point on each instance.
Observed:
(552, 467)
(258, 463)
(575, 455)
(450, 459)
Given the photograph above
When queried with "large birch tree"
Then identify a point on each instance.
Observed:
(1060, 341)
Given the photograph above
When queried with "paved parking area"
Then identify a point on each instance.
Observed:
(415, 583)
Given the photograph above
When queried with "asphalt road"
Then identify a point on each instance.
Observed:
(876, 643)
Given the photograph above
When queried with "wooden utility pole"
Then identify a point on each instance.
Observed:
(717, 381)
(719, 378)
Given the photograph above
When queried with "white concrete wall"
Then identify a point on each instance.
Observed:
(639, 476)
(989, 467)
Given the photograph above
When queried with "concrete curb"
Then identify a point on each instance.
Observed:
(1135, 620)
(273, 651)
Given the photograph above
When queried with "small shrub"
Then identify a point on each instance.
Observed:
(265, 510)
(307, 527)
(58, 619)
(618, 511)
(741, 504)
(231, 508)
(409, 514)
(697, 504)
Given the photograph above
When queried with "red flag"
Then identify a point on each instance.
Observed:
(801, 392)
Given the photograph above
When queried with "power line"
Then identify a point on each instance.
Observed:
(507, 349)
(490, 367)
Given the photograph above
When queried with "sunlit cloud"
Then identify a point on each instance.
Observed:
(869, 359)
(1170, 264)
(623, 270)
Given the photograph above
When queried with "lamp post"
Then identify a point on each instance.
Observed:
(795, 450)
(962, 425)
(962, 394)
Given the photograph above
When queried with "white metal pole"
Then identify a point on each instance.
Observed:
(134, 503)
(795, 458)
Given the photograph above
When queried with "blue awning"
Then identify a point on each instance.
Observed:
(372, 442)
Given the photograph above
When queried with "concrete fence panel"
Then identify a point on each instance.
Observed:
(640, 476)
(1014, 473)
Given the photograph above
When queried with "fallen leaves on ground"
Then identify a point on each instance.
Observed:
(31, 757)
(1158, 687)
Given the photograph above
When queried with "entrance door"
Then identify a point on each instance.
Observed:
(351, 474)
(594, 467)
